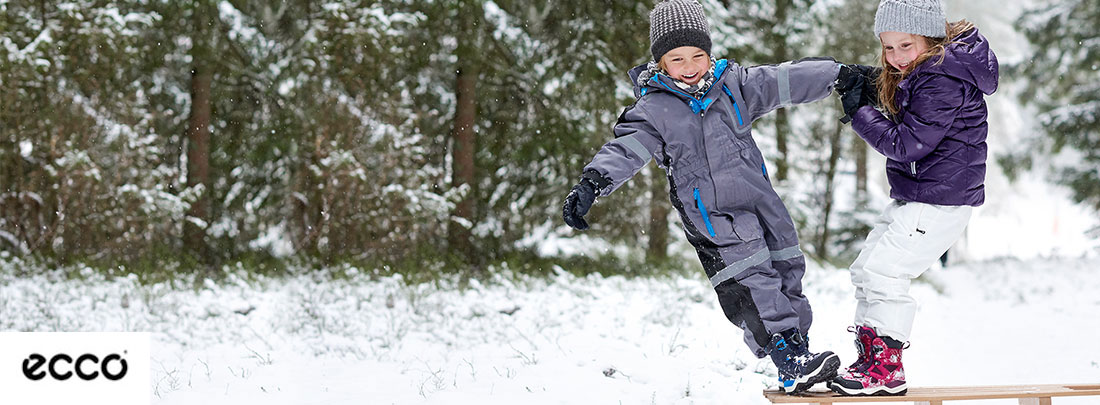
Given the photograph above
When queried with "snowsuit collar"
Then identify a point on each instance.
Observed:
(648, 77)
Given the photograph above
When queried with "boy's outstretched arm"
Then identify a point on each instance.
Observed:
(768, 87)
(636, 142)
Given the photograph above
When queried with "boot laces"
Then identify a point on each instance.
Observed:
(864, 359)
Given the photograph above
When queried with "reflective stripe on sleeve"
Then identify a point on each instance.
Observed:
(635, 146)
(784, 78)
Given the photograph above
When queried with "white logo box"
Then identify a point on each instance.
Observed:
(20, 350)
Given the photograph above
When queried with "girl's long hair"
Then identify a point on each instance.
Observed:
(887, 82)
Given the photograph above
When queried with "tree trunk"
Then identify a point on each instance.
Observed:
(859, 149)
(198, 133)
(657, 250)
(822, 247)
(782, 123)
(464, 140)
(782, 127)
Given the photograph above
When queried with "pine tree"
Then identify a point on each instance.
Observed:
(203, 33)
(568, 77)
(845, 30)
(464, 170)
(79, 155)
(765, 32)
(327, 114)
(1062, 79)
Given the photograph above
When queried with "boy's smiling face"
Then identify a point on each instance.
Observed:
(686, 64)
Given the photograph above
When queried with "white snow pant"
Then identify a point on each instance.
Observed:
(906, 240)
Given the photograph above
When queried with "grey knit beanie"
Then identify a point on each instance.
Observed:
(677, 23)
(920, 17)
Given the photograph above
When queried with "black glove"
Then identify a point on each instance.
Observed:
(870, 74)
(847, 79)
(850, 101)
(850, 86)
(580, 199)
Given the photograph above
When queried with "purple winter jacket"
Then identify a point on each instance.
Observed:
(935, 147)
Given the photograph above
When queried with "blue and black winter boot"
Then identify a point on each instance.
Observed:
(798, 368)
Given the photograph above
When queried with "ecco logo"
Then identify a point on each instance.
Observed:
(32, 367)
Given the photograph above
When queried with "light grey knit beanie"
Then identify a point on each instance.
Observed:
(677, 23)
(920, 17)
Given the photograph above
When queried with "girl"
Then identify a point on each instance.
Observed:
(933, 80)
(693, 116)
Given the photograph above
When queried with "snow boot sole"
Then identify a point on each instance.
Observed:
(881, 390)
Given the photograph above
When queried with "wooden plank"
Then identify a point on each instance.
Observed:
(1042, 394)
(1035, 401)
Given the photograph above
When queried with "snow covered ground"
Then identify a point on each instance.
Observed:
(565, 340)
(309, 340)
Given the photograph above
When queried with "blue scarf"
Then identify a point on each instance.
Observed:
(696, 90)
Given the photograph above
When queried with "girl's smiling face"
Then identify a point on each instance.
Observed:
(900, 49)
(686, 64)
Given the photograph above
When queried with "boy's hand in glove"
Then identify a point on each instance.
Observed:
(850, 86)
(580, 199)
(847, 79)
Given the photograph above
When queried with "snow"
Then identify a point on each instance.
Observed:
(312, 338)
(1018, 304)
(275, 241)
(25, 149)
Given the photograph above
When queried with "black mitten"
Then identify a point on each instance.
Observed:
(850, 86)
(581, 198)
(850, 101)
(869, 93)
(869, 72)
(847, 79)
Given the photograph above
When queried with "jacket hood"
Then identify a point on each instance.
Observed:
(970, 59)
(635, 73)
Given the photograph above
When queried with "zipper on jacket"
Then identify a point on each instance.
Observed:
(698, 103)
(698, 106)
(703, 210)
(735, 108)
(913, 167)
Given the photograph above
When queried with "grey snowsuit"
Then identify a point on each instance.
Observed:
(740, 228)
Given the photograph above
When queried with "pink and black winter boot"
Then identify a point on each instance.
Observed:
(881, 374)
